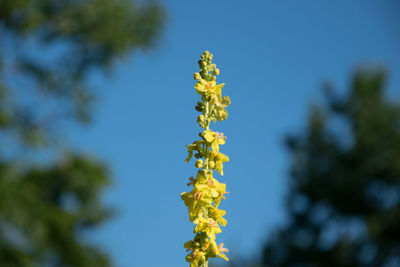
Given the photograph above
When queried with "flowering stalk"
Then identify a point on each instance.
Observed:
(207, 192)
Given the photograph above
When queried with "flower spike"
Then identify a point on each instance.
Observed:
(207, 192)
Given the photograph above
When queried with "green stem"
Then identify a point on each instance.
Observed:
(206, 114)
(205, 264)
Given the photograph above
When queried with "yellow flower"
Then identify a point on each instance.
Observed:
(209, 88)
(217, 190)
(215, 138)
(196, 258)
(204, 88)
(200, 196)
(217, 215)
(208, 226)
(217, 251)
(218, 159)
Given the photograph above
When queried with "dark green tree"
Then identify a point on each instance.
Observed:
(344, 198)
(48, 51)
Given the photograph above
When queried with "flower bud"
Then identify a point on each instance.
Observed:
(203, 64)
(215, 72)
(200, 118)
(197, 76)
(211, 164)
(199, 163)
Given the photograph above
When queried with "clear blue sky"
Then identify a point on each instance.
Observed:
(273, 56)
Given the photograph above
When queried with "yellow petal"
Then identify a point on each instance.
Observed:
(209, 136)
(222, 255)
(214, 193)
(219, 86)
(215, 146)
(222, 157)
(219, 168)
(220, 212)
(217, 201)
(223, 221)
(199, 87)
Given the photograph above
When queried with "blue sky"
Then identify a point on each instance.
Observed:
(273, 57)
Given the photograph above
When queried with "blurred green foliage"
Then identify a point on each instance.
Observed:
(344, 197)
(49, 50)
(43, 211)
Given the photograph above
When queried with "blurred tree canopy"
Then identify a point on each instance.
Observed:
(49, 50)
(344, 197)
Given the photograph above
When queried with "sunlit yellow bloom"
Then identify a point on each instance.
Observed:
(216, 94)
(209, 226)
(215, 138)
(196, 257)
(202, 86)
(217, 215)
(217, 190)
(200, 196)
(209, 88)
(218, 159)
(217, 251)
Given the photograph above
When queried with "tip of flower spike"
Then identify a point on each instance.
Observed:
(207, 56)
